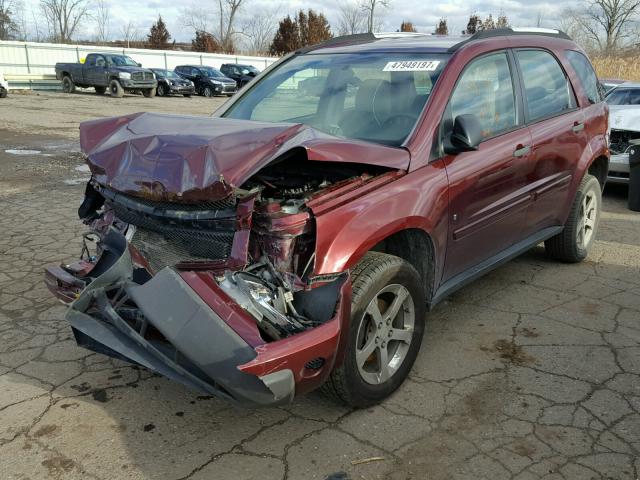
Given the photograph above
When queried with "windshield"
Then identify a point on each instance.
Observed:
(624, 96)
(211, 72)
(166, 73)
(121, 61)
(368, 96)
(250, 68)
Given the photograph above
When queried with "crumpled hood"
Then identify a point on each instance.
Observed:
(175, 157)
(624, 117)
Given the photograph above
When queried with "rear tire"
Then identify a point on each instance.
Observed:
(387, 314)
(100, 90)
(3, 93)
(573, 243)
(188, 95)
(115, 89)
(67, 84)
(149, 92)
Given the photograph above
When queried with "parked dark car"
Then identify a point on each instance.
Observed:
(242, 74)
(290, 242)
(118, 73)
(169, 82)
(208, 81)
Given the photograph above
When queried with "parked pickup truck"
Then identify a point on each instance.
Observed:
(118, 73)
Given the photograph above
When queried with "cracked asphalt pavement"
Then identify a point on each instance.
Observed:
(531, 372)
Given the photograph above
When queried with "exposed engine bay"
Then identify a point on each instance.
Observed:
(621, 140)
(258, 242)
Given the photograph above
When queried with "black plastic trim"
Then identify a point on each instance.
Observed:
(466, 277)
(507, 32)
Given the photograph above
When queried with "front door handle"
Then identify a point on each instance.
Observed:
(521, 151)
(578, 127)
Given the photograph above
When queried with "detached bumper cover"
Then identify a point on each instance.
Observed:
(198, 350)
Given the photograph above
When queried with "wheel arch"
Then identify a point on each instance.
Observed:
(406, 239)
(416, 247)
(599, 168)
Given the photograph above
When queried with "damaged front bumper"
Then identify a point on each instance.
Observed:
(182, 325)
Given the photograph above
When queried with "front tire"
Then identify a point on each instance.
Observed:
(573, 243)
(207, 92)
(385, 333)
(115, 89)
(67, 85)
(163, 90)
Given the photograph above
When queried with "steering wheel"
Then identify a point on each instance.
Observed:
(404, 121)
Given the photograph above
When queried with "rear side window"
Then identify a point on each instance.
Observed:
(587, 76)
(485, 90)
(546, 87)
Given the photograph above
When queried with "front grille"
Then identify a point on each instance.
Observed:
(229, 88)
(138, 76)
(171, 247)
(168, 233)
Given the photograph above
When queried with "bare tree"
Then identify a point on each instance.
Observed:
(369, 7)
(609, 23)
(258, 31)
(102, 17)
(199, 18)
(352, 19)
(9, 29)
(64, 17)
(130, 32)
(202, 20)
(227, 14)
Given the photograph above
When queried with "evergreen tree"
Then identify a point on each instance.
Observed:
(159, 35)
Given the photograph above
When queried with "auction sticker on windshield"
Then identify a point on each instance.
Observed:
(412, 66)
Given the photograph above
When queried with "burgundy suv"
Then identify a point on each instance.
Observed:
(298, 236)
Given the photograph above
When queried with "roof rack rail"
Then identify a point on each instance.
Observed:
(343, 40)
(503, 32)
(399, 34)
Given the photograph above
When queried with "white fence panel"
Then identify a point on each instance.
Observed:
(19, 58)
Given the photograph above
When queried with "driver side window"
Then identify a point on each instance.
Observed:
(100, 62)
(485, 90)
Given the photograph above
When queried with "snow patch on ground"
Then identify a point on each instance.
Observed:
(23, 152)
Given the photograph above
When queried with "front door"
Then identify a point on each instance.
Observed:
(488, 196)
(96, 73)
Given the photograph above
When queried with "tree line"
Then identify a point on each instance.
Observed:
(600, 26)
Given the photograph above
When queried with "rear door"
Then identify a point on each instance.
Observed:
(558, 135)
(488, 198)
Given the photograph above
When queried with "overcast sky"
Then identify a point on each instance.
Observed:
(423, 14)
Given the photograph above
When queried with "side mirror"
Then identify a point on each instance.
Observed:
(139, 64)
(465, 136)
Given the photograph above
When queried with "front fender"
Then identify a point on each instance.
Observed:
(415, 200)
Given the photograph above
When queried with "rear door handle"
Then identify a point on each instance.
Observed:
(521, 151)
(577, 127)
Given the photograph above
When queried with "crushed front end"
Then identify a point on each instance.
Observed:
(200, 259)
(219, 295)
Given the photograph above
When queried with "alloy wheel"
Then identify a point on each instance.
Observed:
(588, 216)
(385, 334)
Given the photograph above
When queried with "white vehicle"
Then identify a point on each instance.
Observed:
(624, 129)
(4, 86)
